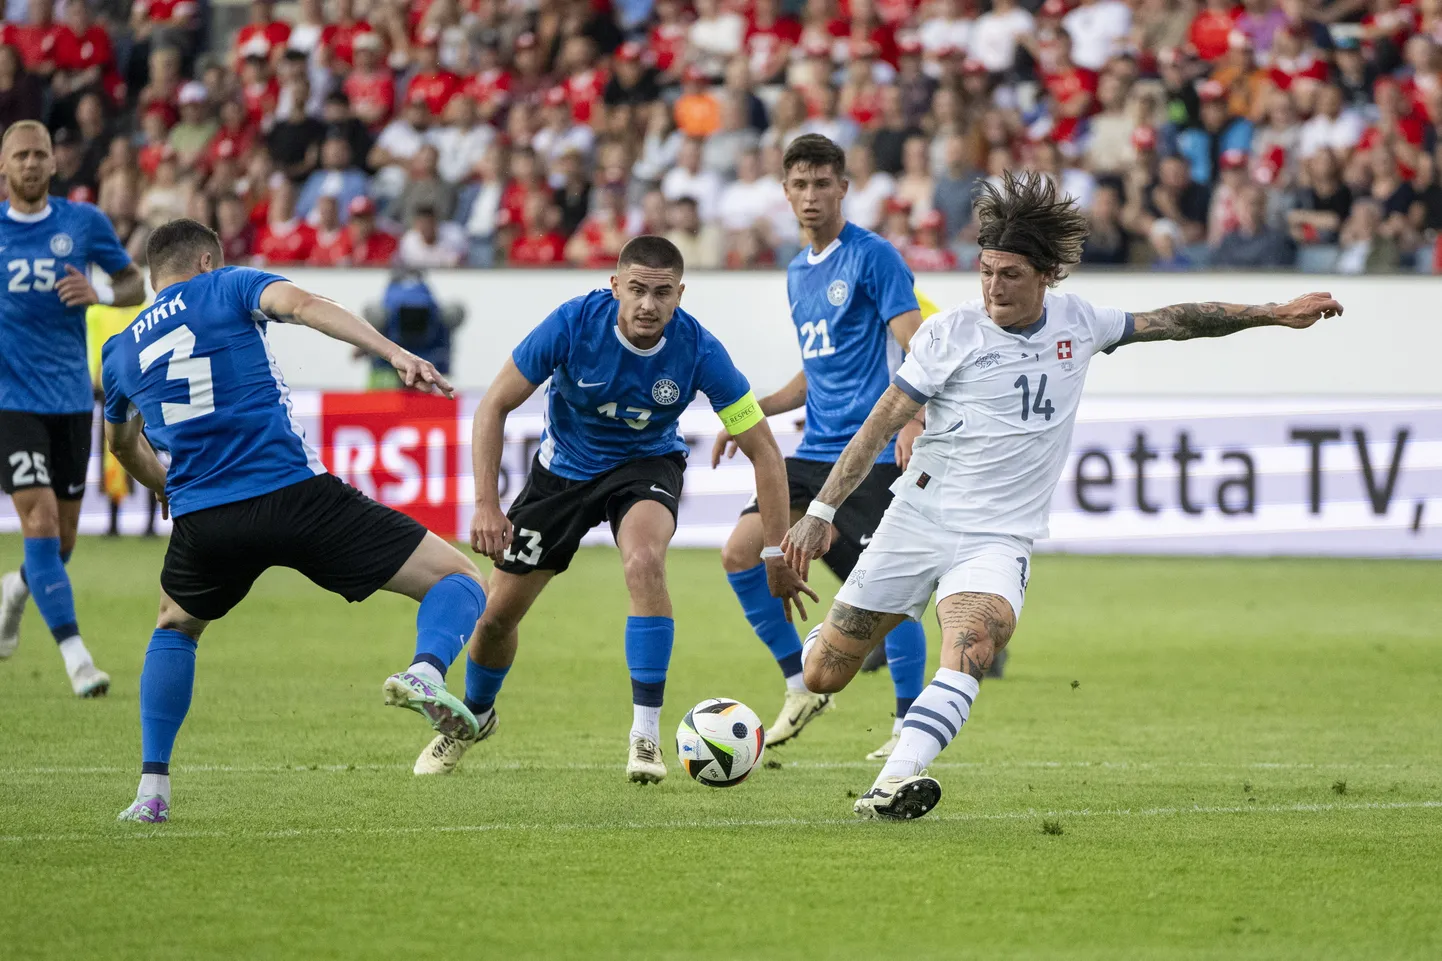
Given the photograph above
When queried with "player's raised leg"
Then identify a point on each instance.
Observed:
(490, 653)
(452, 600)
(974, 628)
(746, 572)
(48, 525)
(166, 683)
(643, 535)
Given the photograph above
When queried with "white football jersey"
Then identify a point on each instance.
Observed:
(1000, 405)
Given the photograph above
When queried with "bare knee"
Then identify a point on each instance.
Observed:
(645, 570)
(743, 548)
(832, 660)
(41, 518)
(975, 627)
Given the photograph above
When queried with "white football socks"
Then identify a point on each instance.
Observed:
(896, 725)
(427, 672)
(76, 656)
(934, 720)
(153, 785)
(646, 722)
(796, 682)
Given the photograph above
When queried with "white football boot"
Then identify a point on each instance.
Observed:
(900, 798)
(799, 710)
(89, 681)
(644, 764)
(13, 595)
(443, 753)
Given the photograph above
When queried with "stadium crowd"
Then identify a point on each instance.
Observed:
(1277, 133)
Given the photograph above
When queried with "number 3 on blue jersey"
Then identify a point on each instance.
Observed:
(194, 370)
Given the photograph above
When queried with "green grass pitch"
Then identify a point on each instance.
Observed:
(1188, 759)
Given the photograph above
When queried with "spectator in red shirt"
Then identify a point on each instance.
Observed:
(490, 85)
(586, 81)
(1212, 27)
(263, 36)
(667, 40)
(162, 21)
(37, 39)
(1072, 90)
(926, 251)
(768, 42)
(83, 55)
(234, 137)
(541, 244)
(432, 84)
(370, 86)
(259, 91)
(340, 36)
(285, 240)
(332, 241)
(369, 246)
(163, 90)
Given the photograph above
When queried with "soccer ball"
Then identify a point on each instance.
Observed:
(720, 742)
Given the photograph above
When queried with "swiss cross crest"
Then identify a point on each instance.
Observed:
(1063, 350)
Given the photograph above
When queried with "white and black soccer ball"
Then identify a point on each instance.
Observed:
(720, 742)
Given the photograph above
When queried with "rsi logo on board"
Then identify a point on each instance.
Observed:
(397, 447)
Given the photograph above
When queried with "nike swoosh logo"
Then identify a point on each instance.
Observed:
(582, 383)
(866, 540)
(793, 306)
(660, 491)
(75, 488)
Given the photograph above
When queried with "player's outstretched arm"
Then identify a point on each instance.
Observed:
(1185, 321)
(127, 442)
(286, 302)
(811, 536)
(788, 398)
(773, 502)
(490, 528)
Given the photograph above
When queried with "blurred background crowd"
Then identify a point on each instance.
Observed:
(435, 133)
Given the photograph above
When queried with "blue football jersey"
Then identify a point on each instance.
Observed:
(196, 365)
(610, 402)
(841, 302)
(43, 369)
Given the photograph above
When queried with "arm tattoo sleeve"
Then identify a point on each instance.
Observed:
(1185, 321)
(889, 415)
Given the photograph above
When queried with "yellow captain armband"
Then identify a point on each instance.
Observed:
(742, 415)
(927, 307)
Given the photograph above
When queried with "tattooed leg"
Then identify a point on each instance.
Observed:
(974, 627)
(842, 643)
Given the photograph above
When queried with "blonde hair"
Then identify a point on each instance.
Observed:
(25, 125)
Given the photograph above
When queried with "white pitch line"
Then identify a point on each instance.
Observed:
(691, 825)
(17, 771)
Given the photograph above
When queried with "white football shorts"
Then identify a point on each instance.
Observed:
(910, 558)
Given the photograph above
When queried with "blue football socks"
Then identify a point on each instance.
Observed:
(648, 655)
(767, 617)
(166, 683)
(483, 684)
(44, 572)
(446, 619)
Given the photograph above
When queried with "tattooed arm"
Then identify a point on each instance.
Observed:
(811, 536)
(1185, 321)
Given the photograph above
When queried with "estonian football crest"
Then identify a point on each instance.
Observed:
(837, 292)
(665, 392)
(61, 245)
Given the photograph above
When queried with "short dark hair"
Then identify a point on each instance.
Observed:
(650, 250)
(1026, 217)
(175, 246)
(814, 150)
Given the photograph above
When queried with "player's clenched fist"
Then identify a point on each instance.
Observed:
(1307, 309)
(420, 374)
(490, 531)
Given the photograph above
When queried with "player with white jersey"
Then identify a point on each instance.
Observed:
(855, 309)
(47, 245)
(1000, 379)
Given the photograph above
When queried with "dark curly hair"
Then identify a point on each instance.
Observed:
(1026, 217)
